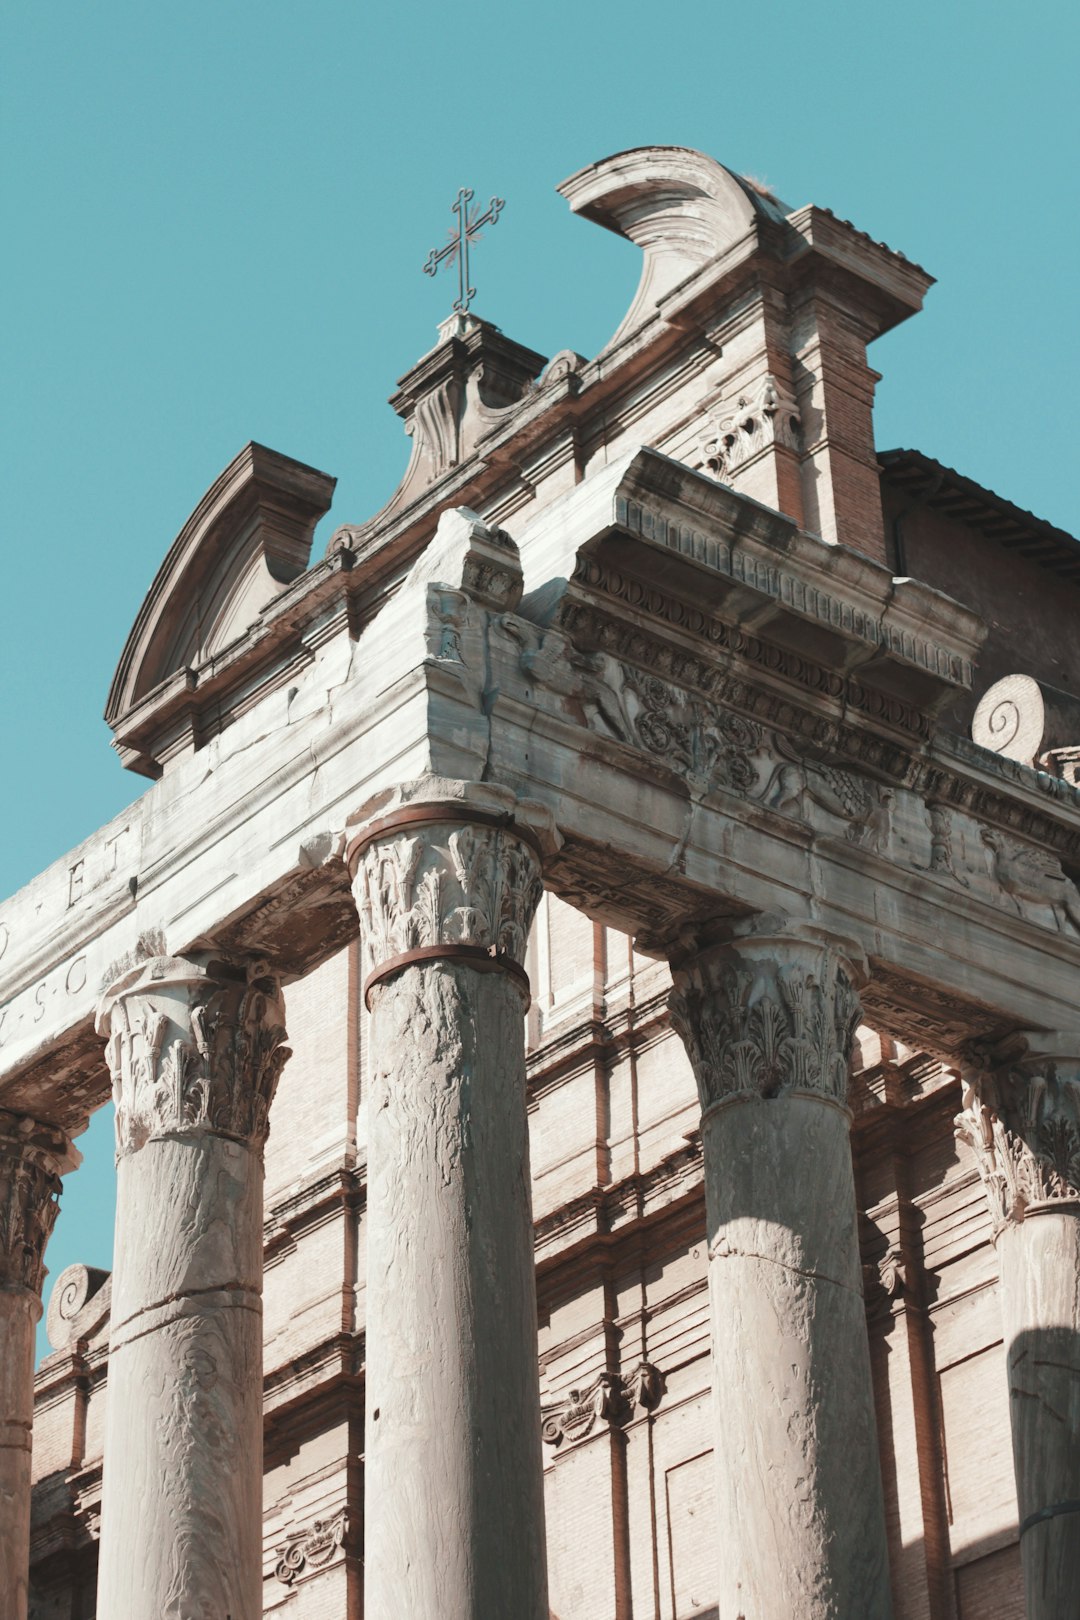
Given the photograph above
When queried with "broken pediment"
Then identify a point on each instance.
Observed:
(682, 209)
(248, 538)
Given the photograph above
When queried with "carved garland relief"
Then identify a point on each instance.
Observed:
(311, 1549)
(193, 1048)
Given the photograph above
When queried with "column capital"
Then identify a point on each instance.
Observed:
(195, 1045)
(1021, 1119)
(33, 1157)
(447, 870)
(769, 1009)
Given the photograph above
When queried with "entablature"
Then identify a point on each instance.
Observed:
(771, 746)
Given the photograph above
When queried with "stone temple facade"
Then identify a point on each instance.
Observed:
(589, 1001)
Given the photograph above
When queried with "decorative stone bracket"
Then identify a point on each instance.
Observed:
(764, 416)
(307, 1551)
(611, 1398)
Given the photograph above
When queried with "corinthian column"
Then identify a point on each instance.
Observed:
(1021, 1117)
(195, 1049)
(33, 1157)
(447, 880)
(768, 1021)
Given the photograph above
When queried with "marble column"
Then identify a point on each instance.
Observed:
(454, 1517)
(195, 1046)
(1021, 1118)
(768, 1019)
(33, 1157)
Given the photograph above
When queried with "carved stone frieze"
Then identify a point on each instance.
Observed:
(33, 1157)
(611, 1398)
(1026, 873)
(767, 1016)
(193, 1045)
(445, 882)
(764, 416)
(1022, 1122)
(312, 1548)
(589, 625)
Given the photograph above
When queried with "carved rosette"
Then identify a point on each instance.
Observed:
(33, 1157)
(1022, 1122)
(193, 1045)
(445, 882)
(767, 1017)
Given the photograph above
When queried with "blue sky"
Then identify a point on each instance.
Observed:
(216, 217)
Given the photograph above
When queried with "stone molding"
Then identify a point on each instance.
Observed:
(311, 1549)
(193, 1044)
(452, 879)
(768, 1015)
(611, 1398)
(33, 1157)
(1021, 1119)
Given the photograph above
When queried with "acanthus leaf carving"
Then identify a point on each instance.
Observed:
(451, 883)
(33, 1157)
(1022, 1123)
(766, 1019)
(193, 1045)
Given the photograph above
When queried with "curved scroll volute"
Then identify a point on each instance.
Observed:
(680, 207)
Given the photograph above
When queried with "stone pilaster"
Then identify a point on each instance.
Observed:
(1021, 1119)
(447, 880)
(33, 1157)
(768, 1020)
(195, 1047)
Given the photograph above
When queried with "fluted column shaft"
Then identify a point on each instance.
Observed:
(454, 1515)
(195, 1049)
(1022, 1119)
(32, 1159)
(768, 1023)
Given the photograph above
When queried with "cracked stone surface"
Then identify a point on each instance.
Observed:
(455, 1511)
